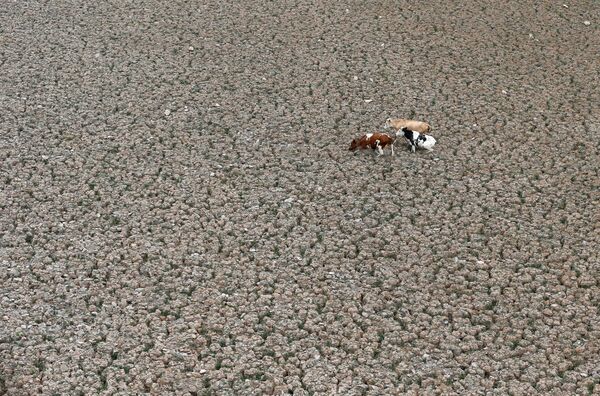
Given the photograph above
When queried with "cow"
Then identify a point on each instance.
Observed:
(376, 141)
(399, 123)
(417, 140)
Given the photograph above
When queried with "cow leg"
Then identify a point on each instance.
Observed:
(412, 148)
(392, 149)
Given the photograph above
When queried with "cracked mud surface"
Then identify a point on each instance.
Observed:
(179, 213)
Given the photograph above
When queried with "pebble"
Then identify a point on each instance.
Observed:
(587, 23)
(167, 112)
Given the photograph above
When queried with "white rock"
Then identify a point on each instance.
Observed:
(587, 23)
(504, 92)
(566, 6)
(368, 100)
(167, 112)
(190, 48)
(355, 78)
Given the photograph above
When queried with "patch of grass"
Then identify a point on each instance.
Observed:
(303, 251)
(514, 344)
(40, 364)
(103, 381)
(491, 305)
(148, 346)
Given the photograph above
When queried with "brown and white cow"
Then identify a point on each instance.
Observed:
(376, 141)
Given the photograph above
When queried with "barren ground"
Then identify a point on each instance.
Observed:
(179, 213)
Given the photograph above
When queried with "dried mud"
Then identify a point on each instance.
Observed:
(179, 213)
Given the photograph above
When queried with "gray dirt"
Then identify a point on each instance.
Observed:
(179, 213)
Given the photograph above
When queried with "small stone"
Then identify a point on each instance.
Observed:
(190, 48)
(355, 78)
(566, 6)
(587, 23)
(504, 92)
(368, 100)
(167, 112)
(217, 105)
